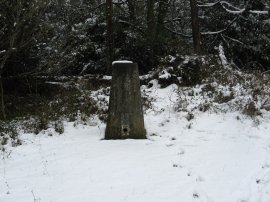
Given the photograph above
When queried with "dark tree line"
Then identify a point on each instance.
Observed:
(77, 37)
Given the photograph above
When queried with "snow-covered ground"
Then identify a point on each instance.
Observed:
(213, 157)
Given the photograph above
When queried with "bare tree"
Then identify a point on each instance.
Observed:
(131, 10)
(150, 18)
(109, 41)
(150, 31)
(16, 17)
(195, 27)
(161, 15)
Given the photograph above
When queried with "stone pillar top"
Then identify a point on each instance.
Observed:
(121, 62)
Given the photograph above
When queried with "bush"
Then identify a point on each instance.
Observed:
(251, 110)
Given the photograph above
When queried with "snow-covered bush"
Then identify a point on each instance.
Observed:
(185, 70)
(8, 135)
(227, 89)
(59, 100)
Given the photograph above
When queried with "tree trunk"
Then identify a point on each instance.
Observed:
(131, 10)
(150, 33)
(195, 27)
(2, 99)
(109, 41)
(162, 12)
(150, 19)
(2, 64)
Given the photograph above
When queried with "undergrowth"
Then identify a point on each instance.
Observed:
(226, 89)
(68, 100)
(204, 84)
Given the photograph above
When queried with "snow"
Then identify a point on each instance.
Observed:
(222, 57)
(211, 158)
(259, 12)
(236, 10)
(3, 51)
(164, 75)
(225, 5)
(121, 61)
(91, 21)
(107, 78)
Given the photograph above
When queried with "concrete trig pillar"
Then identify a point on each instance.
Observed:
(125, 118)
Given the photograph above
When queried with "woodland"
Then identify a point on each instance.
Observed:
(72, 43)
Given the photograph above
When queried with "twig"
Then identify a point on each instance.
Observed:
(220, 31)
(35, 200)
(266, 72)
(178, 33)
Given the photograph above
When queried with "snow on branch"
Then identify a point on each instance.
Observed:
(209, 4)
(2, 51)
(235, 40)
(178, 33)
(220, 31)
(235, 10)
(259, 12)
(228, 7)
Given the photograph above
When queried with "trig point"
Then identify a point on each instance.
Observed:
(125, 118)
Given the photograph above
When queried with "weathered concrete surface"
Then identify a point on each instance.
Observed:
(125, 118)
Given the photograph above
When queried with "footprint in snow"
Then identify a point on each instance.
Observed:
(199, 179)
(175, 165)
(153, 134)
(163, 123)
(242, 200)
(266, 166)
(181, 152)
(258, 181)
(203, 139)
(196, 195)
(169, 144)
(200, 131)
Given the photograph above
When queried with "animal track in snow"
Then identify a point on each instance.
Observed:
(195, 195)
(181, 152)
(266, 166)
(199, 179)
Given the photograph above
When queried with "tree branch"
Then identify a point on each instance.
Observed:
(178, 33)
(220, 31)
(132, 25)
